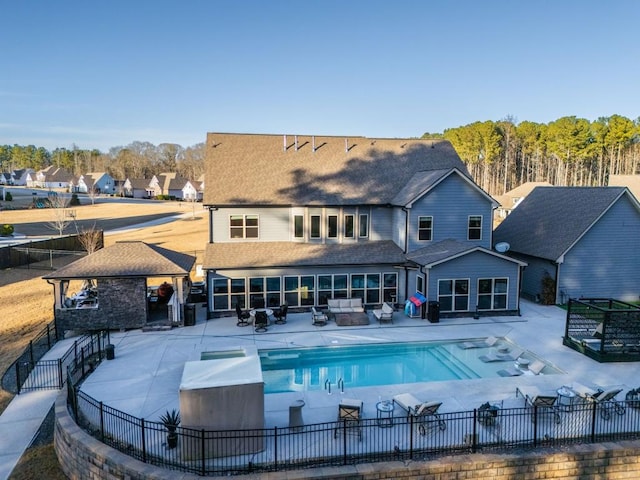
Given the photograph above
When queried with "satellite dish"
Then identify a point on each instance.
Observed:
(502, 247)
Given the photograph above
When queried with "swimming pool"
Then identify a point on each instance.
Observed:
(315, 368)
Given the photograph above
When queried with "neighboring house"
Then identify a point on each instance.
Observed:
(19, 177)
(512, 198)
(579, 241)
(170, 184)
(305, 219)
(137, 188)
(50, 177)
(5, 178)
(99, 182)
(191, 191)
(632, 182)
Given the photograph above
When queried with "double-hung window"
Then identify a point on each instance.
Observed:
(349, 230)
(243, 226)
(475, 227)
(363, 231)
(315, 226)
(298, 226)
(332, 226)
(425, 228)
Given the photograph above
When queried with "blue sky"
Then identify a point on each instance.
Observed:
(105, 74)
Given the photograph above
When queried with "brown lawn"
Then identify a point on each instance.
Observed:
(26, 300)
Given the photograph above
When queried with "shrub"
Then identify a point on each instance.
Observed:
(74, 199)
(6, 230)
(8, 197)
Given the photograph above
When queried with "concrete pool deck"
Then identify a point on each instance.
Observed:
(144, 378)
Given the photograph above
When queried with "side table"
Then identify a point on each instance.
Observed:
(384, 414)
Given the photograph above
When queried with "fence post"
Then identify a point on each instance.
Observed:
(593, 421)
(48, 339)
(18, 383)
(144, 443)
(411, 437)
(275, 448)
(31, 352)
(535, 425)
(474, 431)
(202, 452)
(60, 377)
(344, 442)
(101, 422)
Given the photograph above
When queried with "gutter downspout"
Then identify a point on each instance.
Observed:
(404, 251)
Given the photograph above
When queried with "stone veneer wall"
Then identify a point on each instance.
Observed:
(122, 303)
(83, 457)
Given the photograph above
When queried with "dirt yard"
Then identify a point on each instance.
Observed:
(26, 300)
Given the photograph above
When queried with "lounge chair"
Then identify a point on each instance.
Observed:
(349, 416)
(540, 401)
(603, 397)
(511, 356)
(425, 413)
(535, 368)
(484, 343)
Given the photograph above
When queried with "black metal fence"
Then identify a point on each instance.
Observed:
(30, 372)
(346, 442)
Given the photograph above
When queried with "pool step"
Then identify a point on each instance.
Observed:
(443, 355)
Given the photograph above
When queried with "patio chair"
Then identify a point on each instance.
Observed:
(261, 321)
(540, 402)
(318, 318)
(425, 413)
(349, 416)
(484, 343)
(243, 317)
(534, 367)
(502, 357)
(281, 314)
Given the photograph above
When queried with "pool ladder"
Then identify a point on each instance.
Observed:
(327, 385)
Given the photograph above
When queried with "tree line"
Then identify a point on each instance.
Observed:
(500, 155)
(569, 151)
(136, 160)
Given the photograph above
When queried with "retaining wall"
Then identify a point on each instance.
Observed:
(83, 457)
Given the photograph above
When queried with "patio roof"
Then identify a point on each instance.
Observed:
(290, 254)
(127, 259)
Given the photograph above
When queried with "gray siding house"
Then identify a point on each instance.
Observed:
(583, 240)
(301, 219)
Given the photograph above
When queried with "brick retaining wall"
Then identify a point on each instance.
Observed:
(83, 457)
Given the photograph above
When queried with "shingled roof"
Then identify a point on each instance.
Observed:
(291, 254)
(127, 259)
(449, 249)
(245, 169)
(550, 220)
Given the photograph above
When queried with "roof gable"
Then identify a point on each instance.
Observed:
(309, 170)
(550, 220)
(446, 250)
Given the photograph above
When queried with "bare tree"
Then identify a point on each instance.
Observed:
(91, 239)
(61, 216)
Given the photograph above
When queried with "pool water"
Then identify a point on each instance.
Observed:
(341, 367)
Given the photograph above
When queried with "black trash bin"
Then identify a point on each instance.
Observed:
(110, 351)
(434, 312)
(189, 314)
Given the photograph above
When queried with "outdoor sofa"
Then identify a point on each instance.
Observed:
(345, 305)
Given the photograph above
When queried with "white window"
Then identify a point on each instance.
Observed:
(492, 293)
(243, 226)
(349, 226)
(425, 228)
(453, 295)
(475, 227)
(315, 226)
(332, 226)
(363, 230)
(298, 226)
